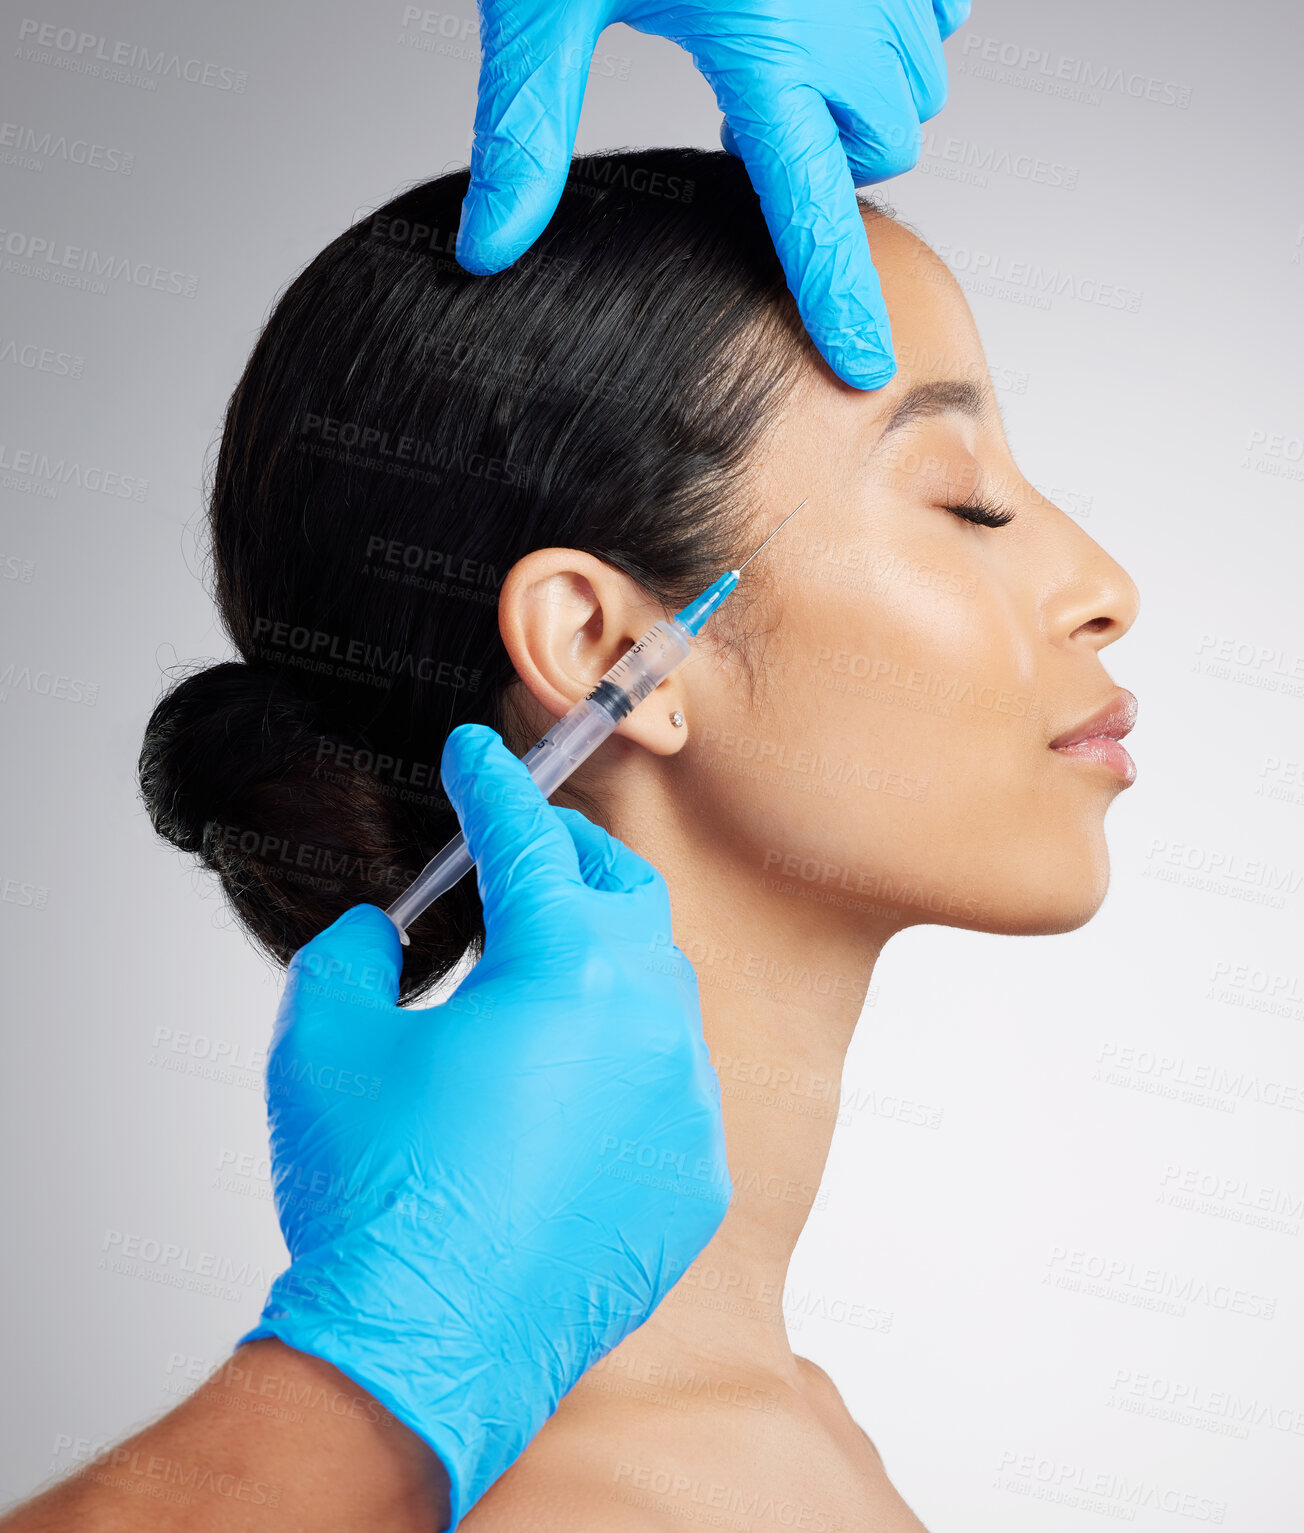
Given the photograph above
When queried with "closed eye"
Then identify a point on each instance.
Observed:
(982, 513)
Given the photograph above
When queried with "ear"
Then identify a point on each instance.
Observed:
(565, 618)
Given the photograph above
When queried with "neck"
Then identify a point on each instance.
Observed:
(782, 981)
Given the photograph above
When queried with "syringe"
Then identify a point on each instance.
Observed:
(579, 732)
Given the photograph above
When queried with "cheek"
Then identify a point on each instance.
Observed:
(920, 663)
(906, 695)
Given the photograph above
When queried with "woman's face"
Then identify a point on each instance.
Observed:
(916, 672)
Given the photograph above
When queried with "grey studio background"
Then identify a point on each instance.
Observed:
(1057, 1269)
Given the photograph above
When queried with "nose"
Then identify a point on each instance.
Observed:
(1098, 600)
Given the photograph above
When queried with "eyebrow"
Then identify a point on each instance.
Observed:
(935, 396)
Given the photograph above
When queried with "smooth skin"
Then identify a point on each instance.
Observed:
(972, 648)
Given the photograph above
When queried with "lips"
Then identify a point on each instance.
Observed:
(1097, 738)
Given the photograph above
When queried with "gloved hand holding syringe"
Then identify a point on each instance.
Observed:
(579, 732)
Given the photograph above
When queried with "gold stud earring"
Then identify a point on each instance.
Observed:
(677, 719)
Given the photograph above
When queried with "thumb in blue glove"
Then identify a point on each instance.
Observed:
(482, 1198)
(819, 96)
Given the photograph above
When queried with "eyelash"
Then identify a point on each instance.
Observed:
(982, 513)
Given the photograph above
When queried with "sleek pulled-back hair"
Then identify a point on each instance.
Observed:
(402, 434)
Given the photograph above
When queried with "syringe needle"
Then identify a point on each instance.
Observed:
(779, 528)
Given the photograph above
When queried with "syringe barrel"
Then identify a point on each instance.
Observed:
(645, 665)
(570, 741)
(444, 869)
(577, 734)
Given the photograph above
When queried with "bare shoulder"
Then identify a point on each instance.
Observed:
(825, 1393)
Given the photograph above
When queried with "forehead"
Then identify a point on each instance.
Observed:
(933, 332)
(940, 368)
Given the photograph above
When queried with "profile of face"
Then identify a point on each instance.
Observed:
(917, 725)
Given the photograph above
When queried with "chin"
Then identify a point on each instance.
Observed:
(1054, 894)
(1066, 906)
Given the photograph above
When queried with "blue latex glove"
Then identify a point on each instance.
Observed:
(819, 96)
(482, 1198)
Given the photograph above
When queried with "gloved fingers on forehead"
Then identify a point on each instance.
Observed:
(876, 121)
(797, 163)
(950, 15)
(878, 128)
(530, 94)
(917, 42)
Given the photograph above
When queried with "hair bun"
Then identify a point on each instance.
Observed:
(216, 736)
(241, 770)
